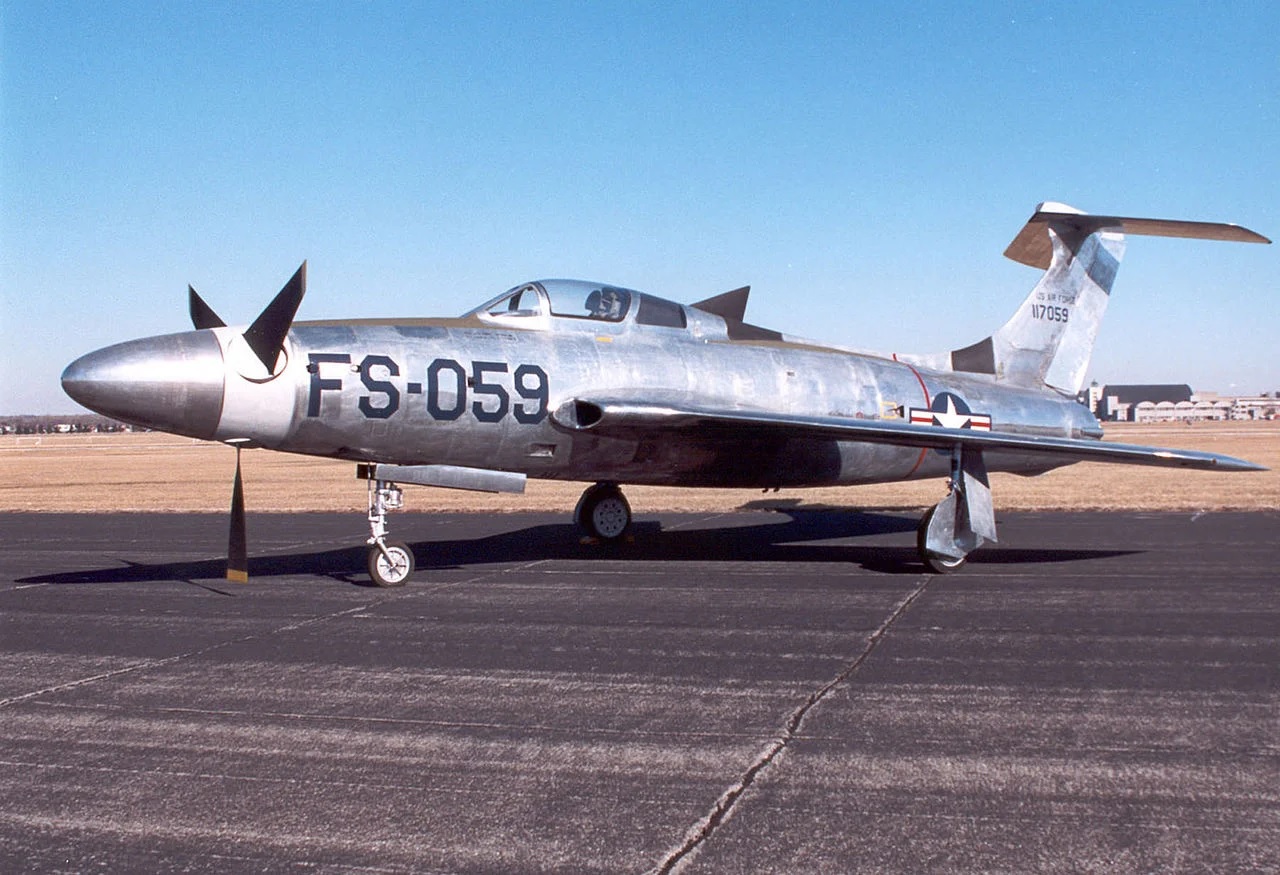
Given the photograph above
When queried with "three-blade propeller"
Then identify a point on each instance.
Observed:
(266, 338)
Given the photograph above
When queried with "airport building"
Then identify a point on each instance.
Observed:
(1176, 402)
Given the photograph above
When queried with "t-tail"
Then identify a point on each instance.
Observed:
(1049, 340)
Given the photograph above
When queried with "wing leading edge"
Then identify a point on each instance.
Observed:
(624, 418)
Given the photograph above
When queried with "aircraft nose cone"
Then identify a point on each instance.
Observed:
(171, 383)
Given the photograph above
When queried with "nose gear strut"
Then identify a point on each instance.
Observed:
(390, 562)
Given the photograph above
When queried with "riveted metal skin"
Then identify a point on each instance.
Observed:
(584, 360)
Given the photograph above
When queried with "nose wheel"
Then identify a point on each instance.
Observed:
(603, 513)
(390, 562)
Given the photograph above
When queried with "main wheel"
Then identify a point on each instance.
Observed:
(935, 563)
(393, 567)
(603, 512)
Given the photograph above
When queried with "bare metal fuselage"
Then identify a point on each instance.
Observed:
(461, 392)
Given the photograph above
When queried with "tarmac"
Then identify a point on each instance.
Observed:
(764, 691)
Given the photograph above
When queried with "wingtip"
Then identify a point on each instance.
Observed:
(1230, 463)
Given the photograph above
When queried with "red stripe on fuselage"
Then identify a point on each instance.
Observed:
(927, 403)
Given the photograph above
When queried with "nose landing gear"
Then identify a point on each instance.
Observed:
(390, 562)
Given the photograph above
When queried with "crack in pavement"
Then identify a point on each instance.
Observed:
(704, 829)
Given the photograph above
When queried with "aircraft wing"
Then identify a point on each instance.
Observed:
(627, 418)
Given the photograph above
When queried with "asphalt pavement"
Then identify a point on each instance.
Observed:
(766, 691)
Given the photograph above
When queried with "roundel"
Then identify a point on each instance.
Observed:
(949, 402)
(949, 410)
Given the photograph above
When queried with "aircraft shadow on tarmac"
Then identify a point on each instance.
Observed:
(805, 536)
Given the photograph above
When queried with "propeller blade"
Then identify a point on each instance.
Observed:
(202, 315)
(237, 553)
(267, 333)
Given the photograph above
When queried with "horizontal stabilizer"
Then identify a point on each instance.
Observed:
(1033, 247)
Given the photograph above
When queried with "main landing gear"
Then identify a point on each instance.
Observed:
(962, 521)
(603, 513)
(938, 563)
(390, 562)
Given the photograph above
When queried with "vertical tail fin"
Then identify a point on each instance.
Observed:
(1049, 340)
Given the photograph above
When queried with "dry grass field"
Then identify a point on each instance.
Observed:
(155, 472)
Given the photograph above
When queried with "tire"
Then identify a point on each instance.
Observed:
(394, 572)
(932, 561)
(603, 512)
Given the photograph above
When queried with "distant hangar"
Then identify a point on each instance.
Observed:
(1175, 402)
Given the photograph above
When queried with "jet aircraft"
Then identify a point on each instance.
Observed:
(584, 381)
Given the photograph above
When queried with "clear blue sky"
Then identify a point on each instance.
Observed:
(861, 165)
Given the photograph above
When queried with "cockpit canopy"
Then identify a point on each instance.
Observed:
(579, 299)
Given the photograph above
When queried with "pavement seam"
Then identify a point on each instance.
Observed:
(702, 831)
(178, 657)
(288, 627)
(702, 519)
